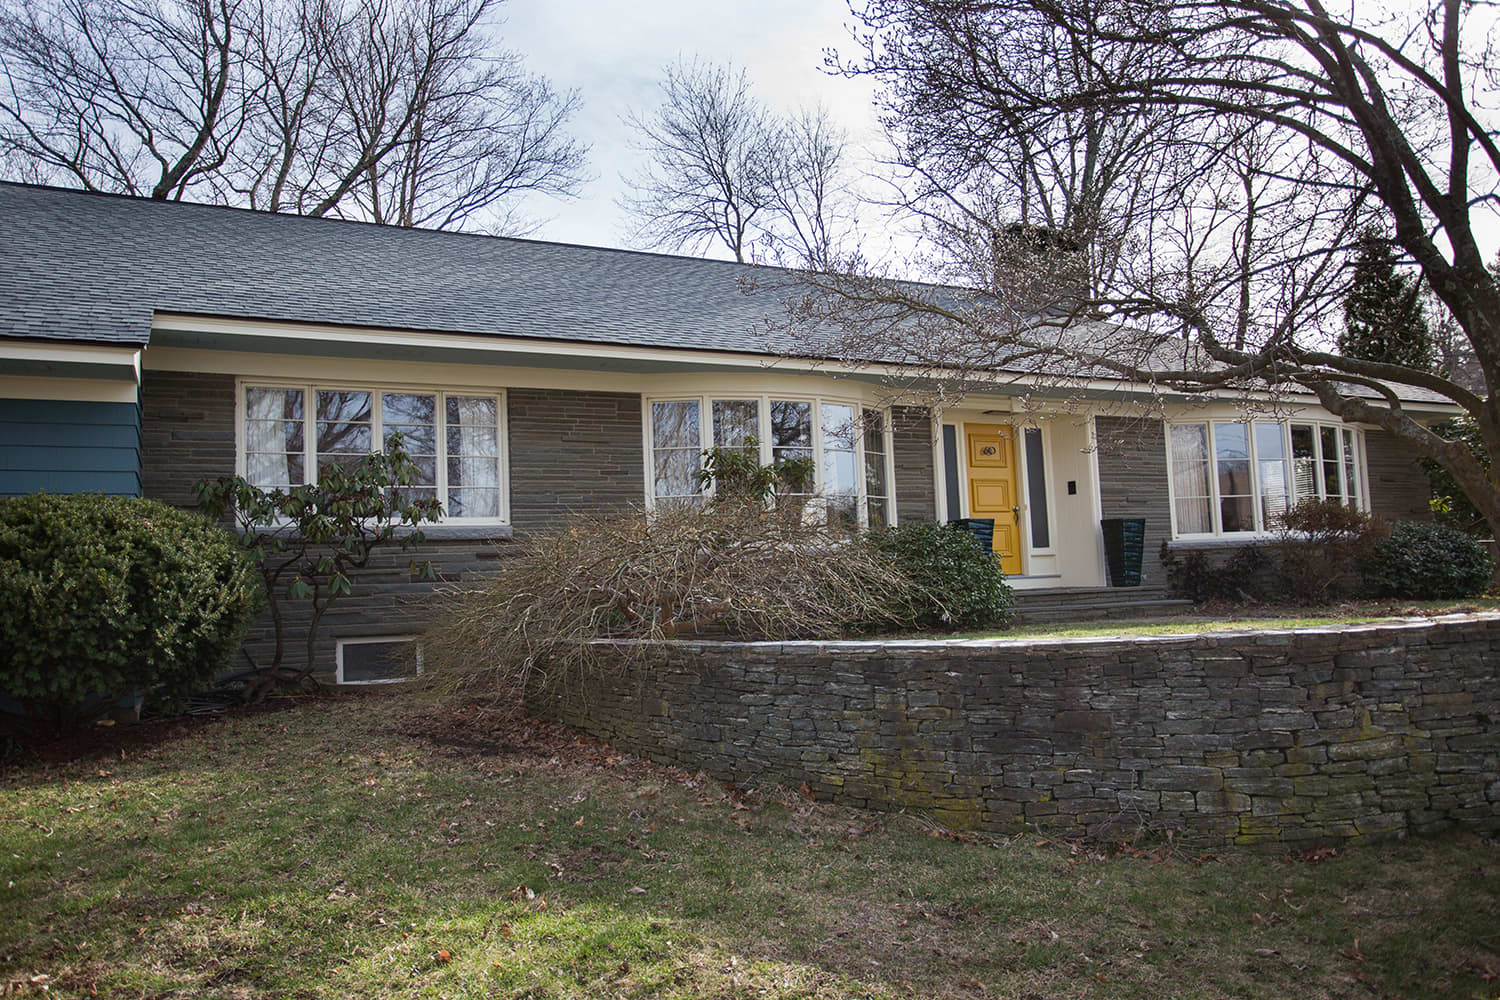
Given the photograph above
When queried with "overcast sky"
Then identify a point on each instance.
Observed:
(613, 54)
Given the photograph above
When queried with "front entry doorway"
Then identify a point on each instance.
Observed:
(992, 488)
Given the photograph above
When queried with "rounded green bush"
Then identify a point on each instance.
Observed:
(956, 583)
(1422, 561)
(104, 596)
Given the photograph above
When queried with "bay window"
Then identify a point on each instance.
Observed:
(1240, 477)
(291, 433)
(847, 446)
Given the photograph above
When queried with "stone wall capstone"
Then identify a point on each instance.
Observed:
(1273, 737)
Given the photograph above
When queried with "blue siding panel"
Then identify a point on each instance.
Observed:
(67, 446)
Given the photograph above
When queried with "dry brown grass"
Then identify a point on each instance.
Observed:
(335, 848)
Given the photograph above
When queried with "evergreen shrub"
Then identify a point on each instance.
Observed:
(104, 596)
(1421, 561)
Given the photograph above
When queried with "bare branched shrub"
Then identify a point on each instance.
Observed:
(733, 569)
(1321, 545)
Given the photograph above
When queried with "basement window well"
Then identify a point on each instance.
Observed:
(383, 659)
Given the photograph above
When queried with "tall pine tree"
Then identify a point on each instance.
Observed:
(1384, 318)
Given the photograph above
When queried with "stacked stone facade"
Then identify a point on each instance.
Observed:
(1272, 738)
(569, 451)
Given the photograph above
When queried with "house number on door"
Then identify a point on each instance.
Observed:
(988, 449)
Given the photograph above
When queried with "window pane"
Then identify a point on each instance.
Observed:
(1190, 478)
(1270, 457)
(1304, 462)
(792, 435)
(473, 410)
(473, 502)
(874, 432)
(676, 472)
(736, 422)
(791, 424)
(843, 512)
(273, 435)
(875, 479)
(414, 417)
(273, 404)
(875, 475)
(838, 427)
(473, 472)
(838, 476)
(1232, 455)
(1231, 443)
(343, 407)
(274, 470)
(839, 473)
(1351, 475)
(1332, 483)
(473, 441)
(426, 466)
(343, 439)
(1036, 489)
(344, 431)
(407, 408)
(1237, 513)
(417, 439)
(878, 516)
(1269, 442)
(1190, 460)
(674, 424)
(1193, 516)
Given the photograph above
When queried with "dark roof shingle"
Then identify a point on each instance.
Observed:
(89, 267)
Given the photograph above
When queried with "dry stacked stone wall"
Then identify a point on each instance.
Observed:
(1274, 737)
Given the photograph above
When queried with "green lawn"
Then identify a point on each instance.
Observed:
(341, 847)
(1195, 621)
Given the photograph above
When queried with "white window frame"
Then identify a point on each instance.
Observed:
(1357, 437)
(370, 640)
(377, 430)
(763, 400)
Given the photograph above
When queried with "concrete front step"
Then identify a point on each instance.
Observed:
(1094, 603)
(1098, 612)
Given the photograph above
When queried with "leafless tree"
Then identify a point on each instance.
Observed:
(973, 168)
(810, 208)
(1277, 130)
(708, 166)
(722, 169)
(396, 111)
(138, 96)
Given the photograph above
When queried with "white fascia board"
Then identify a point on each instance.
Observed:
(77, 390)
(476, 348)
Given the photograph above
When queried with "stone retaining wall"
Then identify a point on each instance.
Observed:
(1272, 737)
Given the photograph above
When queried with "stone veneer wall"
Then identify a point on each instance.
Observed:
(1132, 455)
(568, 451)
(1399, 487)
(911, 446)
(1276, 737)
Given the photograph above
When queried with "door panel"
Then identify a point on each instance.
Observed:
(992, 487)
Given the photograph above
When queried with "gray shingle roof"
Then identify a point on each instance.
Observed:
(78, 266)
(89, 267)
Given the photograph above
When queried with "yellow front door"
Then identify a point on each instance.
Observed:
(992, 488)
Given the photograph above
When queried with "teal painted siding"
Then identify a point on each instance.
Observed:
(64, 446)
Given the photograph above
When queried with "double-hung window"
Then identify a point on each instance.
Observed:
(292, 432)
(848, 447)
(1239, 477)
